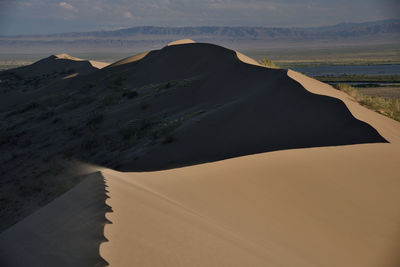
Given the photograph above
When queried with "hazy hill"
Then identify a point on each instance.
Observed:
(387, 31)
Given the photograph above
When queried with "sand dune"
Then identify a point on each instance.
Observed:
(94, 63)
(244, 104)
(331, 206)
(131, 59)
(332, 201)
(182, 41)
(62, 63)
(334, 206)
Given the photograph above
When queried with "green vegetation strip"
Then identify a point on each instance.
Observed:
(288, 64)
(389, 107)
(360, 78)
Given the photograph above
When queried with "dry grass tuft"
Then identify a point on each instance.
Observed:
(268, 63)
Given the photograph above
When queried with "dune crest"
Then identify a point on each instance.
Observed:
(247, 59)
(94, 63)
(182, 41)
(131, 59)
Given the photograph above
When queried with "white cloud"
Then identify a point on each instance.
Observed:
(65, 5)
(128, 15)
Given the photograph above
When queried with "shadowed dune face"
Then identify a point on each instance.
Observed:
(45, 72)
(56, 64)
(67, 232)
(247, 109)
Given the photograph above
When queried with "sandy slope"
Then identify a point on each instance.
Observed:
(66, 232)
(327, 206)
(334, 206)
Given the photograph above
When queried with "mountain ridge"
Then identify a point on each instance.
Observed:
(386, 31)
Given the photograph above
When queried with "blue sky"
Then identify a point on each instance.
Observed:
(51, 16)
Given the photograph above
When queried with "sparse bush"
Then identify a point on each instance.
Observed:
(90, 143)
(108, 101)
(95, 119)
(4, 138)
(128, 132)
(144, 124)
(197, 113)
(56, 120)
(130, 94)
(268, 63)
(165, 128)
(168, 139)
(386, 106)
(144, 105)
(170, 84)
(86, 87)
(46, 115)
(29, 107)
(118, 81)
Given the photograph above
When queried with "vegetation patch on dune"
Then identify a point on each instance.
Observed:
(268, 63)
(386, 106)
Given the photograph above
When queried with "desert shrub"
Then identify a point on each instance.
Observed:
(4, 138)
(170, 84)
(144, 105)
(90, 143)
(56, 120)
(196, 113)
(29, 106)
(165, 128)
(118, 81)
(128, 132)
(95, 119)
(86, 88)
(389, 107)
(130, 94)
(46, 114)
(168, 139)
(109, 100)
(268, 63)
(145, 124)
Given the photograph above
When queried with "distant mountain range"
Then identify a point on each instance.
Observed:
(386, 31)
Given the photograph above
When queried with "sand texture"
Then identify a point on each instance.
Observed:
(333, 206)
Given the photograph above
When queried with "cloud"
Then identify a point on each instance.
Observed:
(63, 15)
(65, 5)
(127, 15)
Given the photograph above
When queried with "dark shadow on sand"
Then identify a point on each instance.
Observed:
(66, 232)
